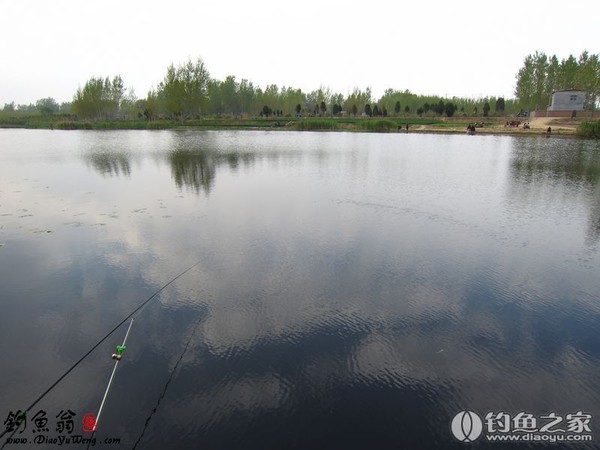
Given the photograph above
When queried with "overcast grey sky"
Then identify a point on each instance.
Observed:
(456, 48)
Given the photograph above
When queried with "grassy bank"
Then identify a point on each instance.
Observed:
(589, 129)
(311, 123)
(354, 124)
(360, 124)
(70, 123)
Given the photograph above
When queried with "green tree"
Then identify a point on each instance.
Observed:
(116, 93)
(368, 110)
(525, 87)
(500, 105)
(323, 107)
(337, 99)
(540, 65)
(289, 98)
(88, 101)
(247, 95)
(314, 100)
(96, 99)
(397, 107)
(229, 94)
(27, 108)
(215, 103)
(154, 104)
(47, 106)
(65, 108)
(552, 73)
(449, 109)
(130, 107)
(486, 109)
(540, 76)
(186, 89)
(567, 74)
(266, 111)
(588, 78)
(271, 96)
(358, 98)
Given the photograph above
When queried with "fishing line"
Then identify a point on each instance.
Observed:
(23, 413)
(164, 391)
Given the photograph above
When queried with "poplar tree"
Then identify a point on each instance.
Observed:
(186, 89)
(100, 98)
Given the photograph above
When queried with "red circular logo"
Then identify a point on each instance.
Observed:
(89, 422)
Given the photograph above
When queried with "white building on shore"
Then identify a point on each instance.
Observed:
(567, 100)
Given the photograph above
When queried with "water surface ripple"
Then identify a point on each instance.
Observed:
(354, 291)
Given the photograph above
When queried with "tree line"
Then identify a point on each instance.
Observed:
(187, 91)
(542, 75)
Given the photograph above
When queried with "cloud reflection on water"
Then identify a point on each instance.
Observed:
(352, 290)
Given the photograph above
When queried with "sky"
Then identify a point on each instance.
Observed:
(49, 48)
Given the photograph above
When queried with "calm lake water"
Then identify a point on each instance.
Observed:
(353, 291)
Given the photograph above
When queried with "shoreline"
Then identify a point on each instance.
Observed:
(494, 126)
(425, 130)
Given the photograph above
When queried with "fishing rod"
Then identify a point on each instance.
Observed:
(21, 415)
(117, 355)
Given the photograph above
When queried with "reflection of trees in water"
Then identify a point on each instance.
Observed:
(571, 160)
(594, 225)
(197, 169)
(575, 163)
(194, 169)
(112, 164)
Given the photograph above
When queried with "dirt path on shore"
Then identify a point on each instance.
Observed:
(560, 125)
(541, 122)
(537, 125)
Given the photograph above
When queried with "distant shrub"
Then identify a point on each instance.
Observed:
(317, 124)
(378, 125)
(589, 129)
(158, 125)
(13, 121)
(73, 125)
